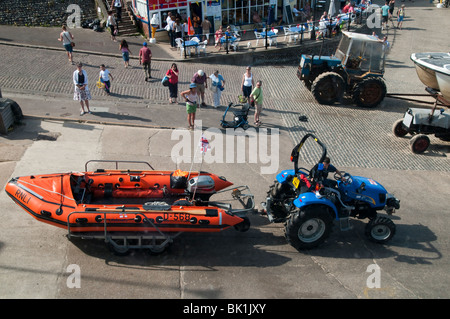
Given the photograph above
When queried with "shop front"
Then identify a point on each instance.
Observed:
(155, 12)
(244, 13)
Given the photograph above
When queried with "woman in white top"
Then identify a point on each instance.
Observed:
(118, 6)
(66, 37)
(247, 83)
(112, 24)
(217, 83)
(82, 94)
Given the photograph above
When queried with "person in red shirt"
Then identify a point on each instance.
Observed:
(348, 8)
(145, 59)
(172, 74)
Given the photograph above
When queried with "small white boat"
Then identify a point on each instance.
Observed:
(433, 69)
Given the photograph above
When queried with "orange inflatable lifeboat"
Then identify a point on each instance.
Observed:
(109, 203)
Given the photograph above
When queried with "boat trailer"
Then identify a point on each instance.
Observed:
(157, 241)
(420, 122)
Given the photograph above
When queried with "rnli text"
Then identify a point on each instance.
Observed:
(22, 196)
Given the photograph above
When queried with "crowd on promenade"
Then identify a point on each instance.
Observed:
(194, 97)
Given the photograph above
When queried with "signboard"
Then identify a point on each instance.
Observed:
(288, 14)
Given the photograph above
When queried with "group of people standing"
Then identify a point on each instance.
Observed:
(194, 96)
(177, 28)
(199, 83)
(387, 13)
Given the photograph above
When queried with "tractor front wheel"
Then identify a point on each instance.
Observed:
(328, 88)
(380, 229)
(369, 92)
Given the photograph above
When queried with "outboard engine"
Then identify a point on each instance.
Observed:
(202, 186)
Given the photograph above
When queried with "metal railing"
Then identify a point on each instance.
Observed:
(266, 37)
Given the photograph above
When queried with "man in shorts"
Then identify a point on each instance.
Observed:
(384, 14)
(199, 79)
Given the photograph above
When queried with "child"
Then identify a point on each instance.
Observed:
(125, 52)
(105, 76)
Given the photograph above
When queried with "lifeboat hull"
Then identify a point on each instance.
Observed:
(125, 201)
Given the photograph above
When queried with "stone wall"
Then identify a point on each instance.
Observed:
(43, 12)
(271, 56)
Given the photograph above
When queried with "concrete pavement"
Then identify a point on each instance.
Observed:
(34, 257)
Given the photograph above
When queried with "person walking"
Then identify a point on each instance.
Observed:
(178, 29)
(391, 11)
(384, 15)
(117, 4)
(112, 24)
(170, 27)
(106, 77)
(191, 97)
(199, 79)
(258, 97)
(172, 74)
(217, 36)
(66, 37)
(247, 83)
(82, 94)
(400, 16)
(125, 52)
(217, 86)
(145, 59)
(206, 27)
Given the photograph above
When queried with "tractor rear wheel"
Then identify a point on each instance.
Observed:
(309, 228)
(369, 92)
(328, 88)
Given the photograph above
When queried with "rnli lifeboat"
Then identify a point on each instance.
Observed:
(110, 203)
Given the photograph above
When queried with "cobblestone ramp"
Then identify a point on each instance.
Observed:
(354, 137)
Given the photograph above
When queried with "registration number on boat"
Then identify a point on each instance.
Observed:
(183, 217)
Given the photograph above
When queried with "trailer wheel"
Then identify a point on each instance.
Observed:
(309, 228)
(328, 88)
(244, 225)
(156, 250)
(419, 143)
(369, 92)
(398, 129)
(117, 249)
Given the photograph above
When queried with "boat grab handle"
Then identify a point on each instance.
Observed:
(117, 163)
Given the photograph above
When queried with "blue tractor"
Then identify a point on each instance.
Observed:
(308, 203)
(356, 69)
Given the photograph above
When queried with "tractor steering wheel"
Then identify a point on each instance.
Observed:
(346, 178)
(338, 177)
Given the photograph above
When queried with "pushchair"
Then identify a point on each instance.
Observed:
(239, 116)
